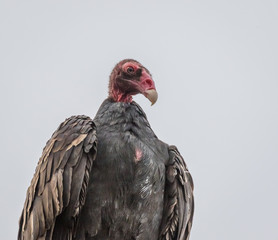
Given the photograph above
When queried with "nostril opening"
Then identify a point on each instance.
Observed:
(149, 82)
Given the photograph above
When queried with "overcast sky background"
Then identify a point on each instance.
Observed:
(215, 65)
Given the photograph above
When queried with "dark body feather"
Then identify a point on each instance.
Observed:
(137, 187)
(125, 195)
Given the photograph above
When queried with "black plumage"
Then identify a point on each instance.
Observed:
(111, 177)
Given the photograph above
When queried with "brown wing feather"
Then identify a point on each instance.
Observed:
(58, 188)
(179, 201)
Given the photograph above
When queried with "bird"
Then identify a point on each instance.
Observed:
(110, 177)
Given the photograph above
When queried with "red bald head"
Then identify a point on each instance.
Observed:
(129, 78)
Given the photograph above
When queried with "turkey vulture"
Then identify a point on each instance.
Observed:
(110, 177)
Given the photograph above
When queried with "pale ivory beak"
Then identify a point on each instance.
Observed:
(151, 95)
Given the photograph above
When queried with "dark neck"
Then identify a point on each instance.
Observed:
(114, 113)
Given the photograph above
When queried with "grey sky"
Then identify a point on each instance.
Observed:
(215, 68)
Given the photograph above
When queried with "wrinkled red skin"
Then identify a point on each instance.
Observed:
(123, 86)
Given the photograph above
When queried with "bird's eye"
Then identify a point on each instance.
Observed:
(130, 70)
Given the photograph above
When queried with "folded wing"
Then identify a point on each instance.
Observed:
(178, 202)
(58, 188)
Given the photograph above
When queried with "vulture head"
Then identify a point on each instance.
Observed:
(129, 78)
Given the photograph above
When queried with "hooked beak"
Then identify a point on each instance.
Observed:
(152, 95)
(148, 87)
